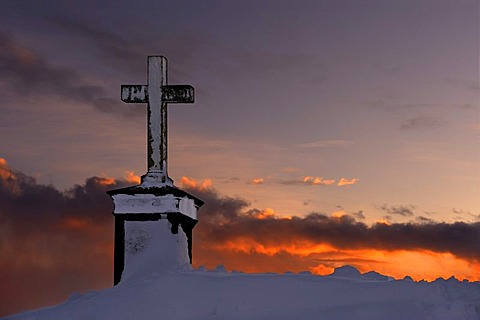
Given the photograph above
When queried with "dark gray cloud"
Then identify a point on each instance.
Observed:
(463, 212)
(468, 107)
(52, 239)
(127, 52)
(298, 68)
(422, 122)
(459, 238)
(307, 202)
(26, 73)
(359, 215)
(466, 83)
(123, 54)
(402, 210)
(421, 219)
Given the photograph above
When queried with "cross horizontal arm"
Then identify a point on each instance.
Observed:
(170, 94)
(178, 94)
(134, 93)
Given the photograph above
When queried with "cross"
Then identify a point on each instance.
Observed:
(157, 94)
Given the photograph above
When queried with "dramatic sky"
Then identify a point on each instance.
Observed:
(323, 133)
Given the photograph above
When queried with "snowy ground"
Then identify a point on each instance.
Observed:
(199, 294)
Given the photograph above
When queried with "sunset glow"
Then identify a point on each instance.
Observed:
(419, 265)
(132, 177)
(76, 223)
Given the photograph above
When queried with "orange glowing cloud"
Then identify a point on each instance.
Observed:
(5, 172)
(257, 181)
(383, 221)
(246, 245)
(346, 182)
(105, 181)
(187, 182)
(338, 214)
(132, 177)
(318, 181)
(266, 214)
(8, 176)
(322, 270)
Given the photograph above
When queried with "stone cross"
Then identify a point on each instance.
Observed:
(157, 94)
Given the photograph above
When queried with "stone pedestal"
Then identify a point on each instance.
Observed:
(153, 230)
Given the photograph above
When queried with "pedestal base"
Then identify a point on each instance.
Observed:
(153, 230)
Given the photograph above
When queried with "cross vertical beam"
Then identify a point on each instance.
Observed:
(157, 94)
(157, 116)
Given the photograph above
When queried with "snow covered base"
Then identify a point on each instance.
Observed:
(346, 294)
(153, 230)
(150, 247)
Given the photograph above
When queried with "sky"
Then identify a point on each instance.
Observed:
(323, 133)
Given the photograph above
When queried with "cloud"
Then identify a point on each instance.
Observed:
(347, 182)
(53, 239)
(338, 214)
(187, 182)
(277, 68)
(115, 50)
(62, 240)
(266, 213)
(358, 215)
(468, 106)
(306, 181)
(128, 54)
(460, 239)
(27, 73)
(398, 210)
(422, 122)
(132, 177)
(257, 181)
(307, 202)
(387, 69)
(325, 144)
(421, 219)
(466, 83)
(317, 181)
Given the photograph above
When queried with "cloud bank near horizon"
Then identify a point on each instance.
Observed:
(62, 240)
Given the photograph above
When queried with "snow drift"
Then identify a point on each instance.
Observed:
(200, 294)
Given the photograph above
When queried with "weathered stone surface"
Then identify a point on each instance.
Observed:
(157, 94)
